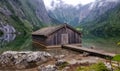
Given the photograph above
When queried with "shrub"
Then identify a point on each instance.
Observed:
(99, 67)
(117, 69)
(118, 43)
(63, 65)
(116, 58)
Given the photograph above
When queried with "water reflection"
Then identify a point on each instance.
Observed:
(14, 42)
(55, 51)
(6, 38)
(23, 42)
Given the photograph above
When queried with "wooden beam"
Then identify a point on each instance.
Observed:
(91, 51)
(53, 46)
(39, 44)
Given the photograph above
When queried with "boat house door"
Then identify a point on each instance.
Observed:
(64, 38)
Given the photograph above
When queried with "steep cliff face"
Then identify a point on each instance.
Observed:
(6, 28)
(40, 10)
(65, 14)
(23, 15)
(96, 9)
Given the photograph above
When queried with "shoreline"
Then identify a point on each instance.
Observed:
(69, 57)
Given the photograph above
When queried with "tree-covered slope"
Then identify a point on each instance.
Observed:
(23, 15)
(106, 25)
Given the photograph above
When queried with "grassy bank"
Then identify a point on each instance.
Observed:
(107, 44)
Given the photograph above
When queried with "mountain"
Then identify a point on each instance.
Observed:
(65, 13)
(96, 9)
(23, 15)
(106, 25)
(40, 10)
(76, 15)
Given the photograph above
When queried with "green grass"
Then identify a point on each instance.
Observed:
(63, 65)
(95, 67)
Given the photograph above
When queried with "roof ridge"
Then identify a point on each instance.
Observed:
(46, 31)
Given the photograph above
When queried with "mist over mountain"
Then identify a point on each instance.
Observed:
(65, 13)
(98, 8)
(28, 15)
(75, 15)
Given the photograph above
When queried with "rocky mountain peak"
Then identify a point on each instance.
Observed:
(77, 14)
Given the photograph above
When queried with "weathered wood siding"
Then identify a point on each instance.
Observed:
(40, 39)
(55, 38)
(74, 37)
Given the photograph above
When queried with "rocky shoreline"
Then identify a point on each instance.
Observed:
(22, 60)
(44, 61)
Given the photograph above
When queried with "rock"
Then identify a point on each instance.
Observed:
(22, 65)
(108, 65)
(6, 60)
(85, 54)
(6, 28)
(73, 61)
(59, 56)
(66, 69)
(60, 62)
(21, 60)
(5, 11)
(47, 68)
(92, 47)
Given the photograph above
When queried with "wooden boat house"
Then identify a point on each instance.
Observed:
(54, 36)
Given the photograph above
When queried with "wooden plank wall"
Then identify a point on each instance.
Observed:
(73, 37)
(55, 38)
(39, 39)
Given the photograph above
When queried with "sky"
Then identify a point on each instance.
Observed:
(71, 2)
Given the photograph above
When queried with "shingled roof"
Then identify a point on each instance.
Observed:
(48, 30)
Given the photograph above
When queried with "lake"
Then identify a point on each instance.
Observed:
(24, 43)
(15, 42)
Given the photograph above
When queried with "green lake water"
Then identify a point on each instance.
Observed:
(15, 42)
(24, 43)
(105, 44)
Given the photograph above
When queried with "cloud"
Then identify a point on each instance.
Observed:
(51, 3)
(76, 2)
